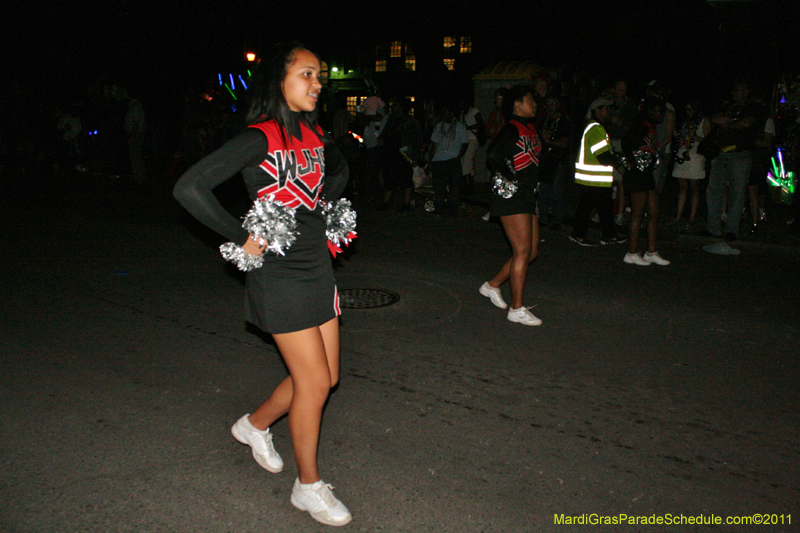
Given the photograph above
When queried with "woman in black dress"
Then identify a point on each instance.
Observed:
(285, 153)
(516, 145)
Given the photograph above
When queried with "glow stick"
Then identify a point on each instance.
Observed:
(771, 179)
(233, 85)
(243, 83)
(229, 90)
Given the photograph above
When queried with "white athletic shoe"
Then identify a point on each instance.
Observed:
(635, 259)
(493, 294)
(320, 503)
(655, 258)
(523, 316)
(260, 441)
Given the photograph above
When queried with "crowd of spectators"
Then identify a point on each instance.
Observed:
(394, 146)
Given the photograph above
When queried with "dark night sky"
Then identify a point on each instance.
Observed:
(157, 46)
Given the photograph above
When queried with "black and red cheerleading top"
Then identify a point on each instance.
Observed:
(641, 139)
(517, 142)
(297, 290)
(528, 144)
(297, 170)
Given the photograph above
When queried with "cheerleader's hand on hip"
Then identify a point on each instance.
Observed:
(255, 245)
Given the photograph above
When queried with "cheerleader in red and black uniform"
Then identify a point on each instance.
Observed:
(517, 144)
(640, 150)
(285, 153)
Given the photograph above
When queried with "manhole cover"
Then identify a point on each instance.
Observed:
(366, 298)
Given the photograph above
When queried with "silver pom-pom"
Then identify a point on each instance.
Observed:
(340, 220)
(267, 221)
(272, 221)
(243, 261)
(503, 186)
(645, 159)
(622, 159)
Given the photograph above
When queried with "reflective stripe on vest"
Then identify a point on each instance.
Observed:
(592, 172)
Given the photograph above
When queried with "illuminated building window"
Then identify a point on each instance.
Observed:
(380, 65)
(396, 49)
(352, 103)
(411, 109)
(466, 45)
(450, 64)
(411, 60)
(449, 42)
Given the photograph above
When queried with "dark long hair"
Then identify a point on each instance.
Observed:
(514, 94)
(267, 101)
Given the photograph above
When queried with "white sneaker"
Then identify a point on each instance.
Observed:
(635, 259)
(493, 294)
(655, 258)
(523, 316)
(260, 441)
(320, 503)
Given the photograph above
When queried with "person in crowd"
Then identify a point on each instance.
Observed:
(448, 145)
(553, 165)
(473, 122)
(541, 90)
(640, 148)
(623, 112)
(402, 144)
(350, 147)
(292, 296)
(496, 120)
(516, 147)
(690, 167)
(71, 129)
(373, 151)
(342, 120)
(594, 177)
(735, 129)
(135, 126)
(757, 185)
(666, 131)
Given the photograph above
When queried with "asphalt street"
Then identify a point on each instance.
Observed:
(647, 392)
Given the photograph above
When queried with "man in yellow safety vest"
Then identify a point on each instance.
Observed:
(594, 177)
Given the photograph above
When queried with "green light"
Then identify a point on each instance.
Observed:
(229, 90)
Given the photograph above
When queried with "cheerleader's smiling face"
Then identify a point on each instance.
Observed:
(301, 86)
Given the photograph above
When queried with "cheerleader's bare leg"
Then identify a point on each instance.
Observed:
(312, 356)
(522, 231)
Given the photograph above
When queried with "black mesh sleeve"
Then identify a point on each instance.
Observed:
(194, 189)
(503, 147)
